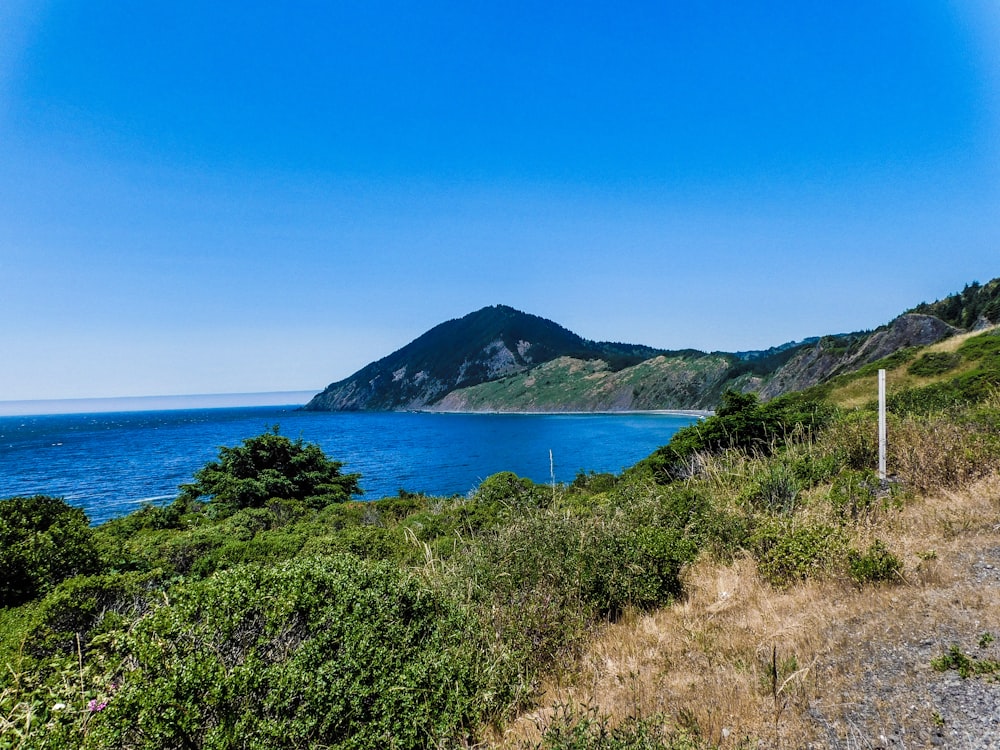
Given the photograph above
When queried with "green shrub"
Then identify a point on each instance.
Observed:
(965, 665)
(740, 423)
(935, 363)
(324, 652)
(42, 542)
(81, 608)
(575, 729)
(777, 491)
(266, 467)
(873, 565)
(509, 490)
(787, 553)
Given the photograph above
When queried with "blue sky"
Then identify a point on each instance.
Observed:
(235, 197)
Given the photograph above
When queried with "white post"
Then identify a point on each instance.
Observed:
(881, 425)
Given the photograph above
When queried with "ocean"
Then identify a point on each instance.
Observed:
(111, 463)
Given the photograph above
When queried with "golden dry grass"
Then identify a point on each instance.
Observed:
(846, 658)
(857, 393)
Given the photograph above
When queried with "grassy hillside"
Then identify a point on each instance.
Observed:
(568, 384)
(713, 596)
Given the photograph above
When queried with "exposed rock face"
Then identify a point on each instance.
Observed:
(835, 355)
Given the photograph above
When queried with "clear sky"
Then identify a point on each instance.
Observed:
(208, 197)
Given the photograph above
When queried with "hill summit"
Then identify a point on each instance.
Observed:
(482, 346)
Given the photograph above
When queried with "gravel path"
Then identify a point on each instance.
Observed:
(894, 698)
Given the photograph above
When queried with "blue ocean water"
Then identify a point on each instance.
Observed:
(109, 464)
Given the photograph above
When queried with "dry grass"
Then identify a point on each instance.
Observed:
(846, 659)
(862, 391)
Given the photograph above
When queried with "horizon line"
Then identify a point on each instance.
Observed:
(165, 402)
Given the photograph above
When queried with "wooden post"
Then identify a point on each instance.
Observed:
(881, 425)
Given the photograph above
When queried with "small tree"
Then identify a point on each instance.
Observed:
(271, 466)
(42, 541)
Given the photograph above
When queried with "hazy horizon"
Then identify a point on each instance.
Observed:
(105, 404)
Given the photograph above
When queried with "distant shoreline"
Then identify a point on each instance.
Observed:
(703, 413)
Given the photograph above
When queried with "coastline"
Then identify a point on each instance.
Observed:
(700, 413)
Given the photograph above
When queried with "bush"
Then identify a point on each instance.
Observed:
(740, 423)
(855, 493)
(267, 467)
(86, 606)
(509, 490)
(786, 553)
(42, 542)
(333, 652)
(876, 564)
(935, 363)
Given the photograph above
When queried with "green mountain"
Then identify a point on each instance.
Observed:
(501, 359)
(482, 346)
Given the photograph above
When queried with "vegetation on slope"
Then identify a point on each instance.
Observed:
(966, 309)
(476, 348)
(299, 618)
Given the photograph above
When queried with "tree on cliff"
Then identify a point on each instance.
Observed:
(271, 466)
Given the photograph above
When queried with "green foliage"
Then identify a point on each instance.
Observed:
(874, 565)
(509, 490)
(964, 309)
(972, 386)
(81, 609)
(42, 541)
(787, 553)
(592, 482)
(777, 491)
(935, 363)
(855, 493)
(333, 652)
(740, 423)
(965, 665)
(270, 466)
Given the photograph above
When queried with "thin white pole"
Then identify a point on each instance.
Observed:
(881, 425)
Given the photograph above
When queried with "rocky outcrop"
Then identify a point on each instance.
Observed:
(833, 355)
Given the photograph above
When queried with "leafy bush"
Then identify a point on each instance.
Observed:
(777, 491)
(855, 493)
(333, 652)
(875, 564)
(786, 553)
(509, 490)
(270, 466)
(81, 608)
(42, 542)
(935, 363)
(739, 423)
